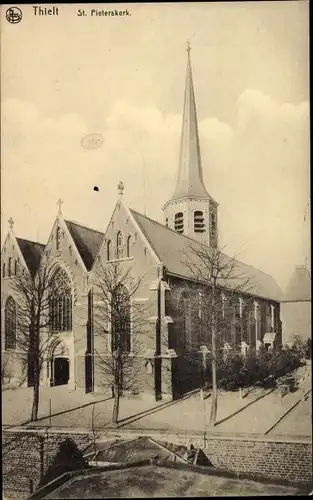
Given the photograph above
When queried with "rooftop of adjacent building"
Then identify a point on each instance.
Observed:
(299, 286)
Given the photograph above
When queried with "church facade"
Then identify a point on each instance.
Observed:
(153, 252)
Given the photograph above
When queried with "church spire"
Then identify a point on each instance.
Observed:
(190, 181)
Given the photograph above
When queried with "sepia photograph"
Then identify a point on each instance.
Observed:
(155, 250)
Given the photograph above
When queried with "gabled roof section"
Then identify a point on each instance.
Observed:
(88, 241)
(299, 286)
(32, 252)
(170, 247)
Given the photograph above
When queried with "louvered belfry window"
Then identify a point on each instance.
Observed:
(179, 222)
(198, 222)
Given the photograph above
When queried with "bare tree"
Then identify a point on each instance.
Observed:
(213, 289)
(34, 295)
(119, 327)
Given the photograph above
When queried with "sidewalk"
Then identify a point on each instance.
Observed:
(263, 414)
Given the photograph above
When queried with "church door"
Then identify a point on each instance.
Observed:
(61, 371)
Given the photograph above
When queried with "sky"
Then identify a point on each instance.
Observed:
(67, 76)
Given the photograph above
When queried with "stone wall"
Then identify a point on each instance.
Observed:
(28, 453)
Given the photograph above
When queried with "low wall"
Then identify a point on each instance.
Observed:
(28, 453)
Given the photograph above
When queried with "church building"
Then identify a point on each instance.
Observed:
(153, 251)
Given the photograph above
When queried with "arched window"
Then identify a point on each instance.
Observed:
(15, 267)
(9, 267)
(185, 321)
(129, 242)
(198, 222)
(10, 324)
(61, 303)
(120, 319)
(3, 270)
(109, 245)
(179, 222)
(58, 238)
(119, 245)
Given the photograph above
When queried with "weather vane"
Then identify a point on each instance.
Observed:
(11, 222)
(188, 46)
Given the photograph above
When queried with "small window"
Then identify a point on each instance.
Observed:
(119, 245)
(109, 245)
(179, 222)
(129, 242)
(198, 222)
(15, 267)
(166, 221)
(9, 267)
(58, 238)
(3, 270)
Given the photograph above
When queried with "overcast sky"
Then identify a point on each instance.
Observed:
(67, 76)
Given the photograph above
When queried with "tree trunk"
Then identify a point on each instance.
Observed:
(35, 406)
(213, 413)
(116, 405)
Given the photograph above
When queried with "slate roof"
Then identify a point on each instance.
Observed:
(190, 179)
(171, 246)
(299, 286)
(32, 252)
(87, 241)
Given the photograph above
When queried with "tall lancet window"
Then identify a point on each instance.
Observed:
(119, 245)
(9, 267)
(10, 324)
(109, 245)
(198, 222)
(213, 224)
(129, 243)
(179, 222)
(60, 303)
(58, 238)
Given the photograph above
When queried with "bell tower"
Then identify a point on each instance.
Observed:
(191, 210)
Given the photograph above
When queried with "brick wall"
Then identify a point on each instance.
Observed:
(291, 461)
(28, 454)
(26, 457)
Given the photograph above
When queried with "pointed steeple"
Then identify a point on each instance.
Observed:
(190, 180)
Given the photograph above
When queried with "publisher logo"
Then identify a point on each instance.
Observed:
(14, 15)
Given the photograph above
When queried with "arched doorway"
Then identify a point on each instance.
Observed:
(59, 364)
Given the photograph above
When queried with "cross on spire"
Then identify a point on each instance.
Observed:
(120, 188)
(11, 222)
(59, 203)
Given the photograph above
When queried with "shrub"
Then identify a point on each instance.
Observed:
(261, 367)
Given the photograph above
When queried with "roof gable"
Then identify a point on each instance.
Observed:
(299, 286)
(88, 241)
(168, 245)
(32, 252)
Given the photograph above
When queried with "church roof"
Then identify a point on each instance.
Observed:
(169, 245)
(190, 181)
(299, 286)
(87, 241)
(32, 252)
